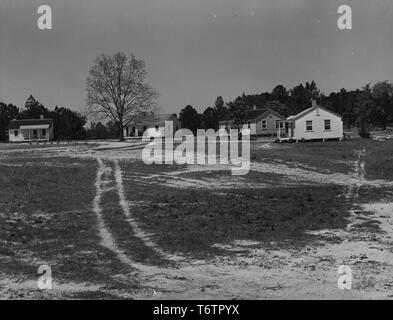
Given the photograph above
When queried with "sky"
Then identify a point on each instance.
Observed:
(195, 50)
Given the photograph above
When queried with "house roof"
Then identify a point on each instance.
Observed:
(155, 119)
(300, 114)
(261, 113)
(256, 115)
(16, 124)
(253, 114)
(37, 126)
(164, 116)
(307, 111)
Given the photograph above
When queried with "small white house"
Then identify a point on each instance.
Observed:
(266, 121)
(30, 130)
(152, 124)
(315, 123)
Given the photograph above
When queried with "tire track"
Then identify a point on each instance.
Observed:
(353, 190)
(107, 239)
(183, 278)
(138, 232)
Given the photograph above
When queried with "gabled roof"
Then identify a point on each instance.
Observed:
(16, 124)
(253, 114)
(307, 111)
(164, 116)
(155, 119)
(261, 114)
(300, 114)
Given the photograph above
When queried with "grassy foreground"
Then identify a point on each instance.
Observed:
(46, 212)
(46, 218)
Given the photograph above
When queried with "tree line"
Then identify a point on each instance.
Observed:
(117, 91)
(68, 124)
(366, 108)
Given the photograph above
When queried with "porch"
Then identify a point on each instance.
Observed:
(285, 130)
(34, 132)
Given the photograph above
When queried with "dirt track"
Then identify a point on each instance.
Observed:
(310, 273)
(251, 272)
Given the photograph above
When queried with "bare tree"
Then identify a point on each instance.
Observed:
(117, 89)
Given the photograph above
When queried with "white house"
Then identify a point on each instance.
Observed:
(266, 121)
(152, 124)
(30, 130)
(315, 123)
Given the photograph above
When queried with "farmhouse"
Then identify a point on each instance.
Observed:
(266, 121)
(154, 124)
(315, 123)
(30, 130)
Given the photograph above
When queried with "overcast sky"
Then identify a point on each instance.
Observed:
(194, 50)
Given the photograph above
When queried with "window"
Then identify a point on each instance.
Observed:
(279, 124)
(327, 125)
(309, 125)
(264, 125)
(44, 132)
(16, 132)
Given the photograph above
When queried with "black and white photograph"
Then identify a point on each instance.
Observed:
(196, 150)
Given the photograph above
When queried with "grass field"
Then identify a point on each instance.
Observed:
(110, 226)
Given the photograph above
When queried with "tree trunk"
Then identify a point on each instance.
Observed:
(121, 129)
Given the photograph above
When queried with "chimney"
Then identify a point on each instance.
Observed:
(42, 117)
(314, 103)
